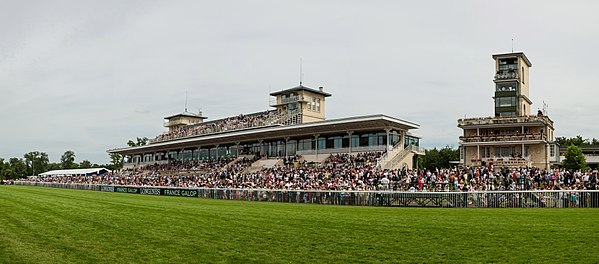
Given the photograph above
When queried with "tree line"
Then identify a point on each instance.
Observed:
(439, 158)
(36, 162)
(573, 157)
(578, 141)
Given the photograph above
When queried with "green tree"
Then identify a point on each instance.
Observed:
(54, 166)
(435, 158)
(574, 159)
(37, 162)
(140, 142)
(17, 168)
(67, 161)
(2, 169)
(85, 164)
(576, 141)
(116, 161)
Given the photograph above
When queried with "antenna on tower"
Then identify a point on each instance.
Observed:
(301, 77)
(512, 45)
(185, 100)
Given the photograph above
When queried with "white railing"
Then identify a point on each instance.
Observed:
(392, 152)
(395, 158)
(504, 120)
(488, 199)
(506, 75)
(498, 138)
(286, 100)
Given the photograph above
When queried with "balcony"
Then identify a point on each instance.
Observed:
(503, 161)
(287, 100)
(502, 138)
(508, 120)
(506, 76)
(171, 123)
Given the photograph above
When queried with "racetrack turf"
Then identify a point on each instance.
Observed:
(46, 225)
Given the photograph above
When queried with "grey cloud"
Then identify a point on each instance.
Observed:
(88, 76)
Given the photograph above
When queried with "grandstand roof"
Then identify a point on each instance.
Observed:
(356, 124)
(301, 88)
(75, 172)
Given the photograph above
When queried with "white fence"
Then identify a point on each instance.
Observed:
(491, 199)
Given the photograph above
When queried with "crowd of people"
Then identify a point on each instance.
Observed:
(339, 172)
(7, 182)
(226, 124)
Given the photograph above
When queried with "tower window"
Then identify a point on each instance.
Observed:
(318, 105)
(505, 101)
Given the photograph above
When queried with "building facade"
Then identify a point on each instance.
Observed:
(512, 137)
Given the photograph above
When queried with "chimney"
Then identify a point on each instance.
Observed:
(200, 113)
(320, 88)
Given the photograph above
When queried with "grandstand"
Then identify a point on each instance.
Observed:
(293, 147)
(295, 127)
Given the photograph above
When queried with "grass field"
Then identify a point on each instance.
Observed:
(44, 225)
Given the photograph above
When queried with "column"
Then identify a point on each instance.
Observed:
(465, 160)
(401, 134)
(316, 145)
(349, 133)
(286, 143)
(547, 156)
(387, 130)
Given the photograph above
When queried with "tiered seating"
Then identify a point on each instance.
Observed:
(221, 125)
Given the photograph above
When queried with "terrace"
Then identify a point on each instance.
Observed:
(508, 120)
(503, 138)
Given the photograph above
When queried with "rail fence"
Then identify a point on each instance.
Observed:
(489, 199)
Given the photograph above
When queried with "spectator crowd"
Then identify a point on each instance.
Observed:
(339, 172)
(226, 124)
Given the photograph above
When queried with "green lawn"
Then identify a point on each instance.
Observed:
(44, 225)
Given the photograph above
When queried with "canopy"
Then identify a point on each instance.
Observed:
(76, 172)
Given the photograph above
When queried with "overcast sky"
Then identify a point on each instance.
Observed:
(89, 75)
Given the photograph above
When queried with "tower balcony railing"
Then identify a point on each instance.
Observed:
(287, 100)
(500, 138)
(503, 161)
(506, 75)
(177, 123)
(505, 120)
